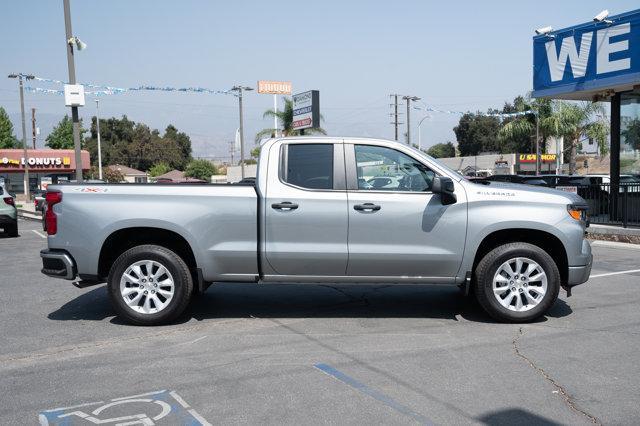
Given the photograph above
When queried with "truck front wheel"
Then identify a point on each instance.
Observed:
(517, 282)
(149, 285)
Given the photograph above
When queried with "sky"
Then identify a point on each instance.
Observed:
(455, 55)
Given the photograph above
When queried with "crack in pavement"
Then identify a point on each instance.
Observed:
(568, 399)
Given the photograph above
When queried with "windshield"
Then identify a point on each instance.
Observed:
(440, 164)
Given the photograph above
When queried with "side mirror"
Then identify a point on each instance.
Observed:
(444, 186)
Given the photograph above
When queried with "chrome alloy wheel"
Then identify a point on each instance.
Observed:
(147, 287)
(520, 284)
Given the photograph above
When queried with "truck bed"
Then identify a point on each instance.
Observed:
(218, 221)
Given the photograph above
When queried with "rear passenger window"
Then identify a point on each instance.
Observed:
(309, 166)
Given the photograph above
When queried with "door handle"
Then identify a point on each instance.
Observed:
(285, 206)
(367, 207)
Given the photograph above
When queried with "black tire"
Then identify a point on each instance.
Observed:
(488, 267)
(12, 230)
(183, 284)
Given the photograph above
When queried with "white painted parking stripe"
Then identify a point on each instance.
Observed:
(630, 271)
(198, 417)
(40, 234)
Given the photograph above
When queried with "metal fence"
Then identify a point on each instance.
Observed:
(611, 207)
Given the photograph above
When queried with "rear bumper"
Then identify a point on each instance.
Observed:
(58, 264)
(579, 274)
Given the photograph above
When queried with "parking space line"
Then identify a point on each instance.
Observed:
(40, 234)
(630, 271)
(179, 399)
(379, 396)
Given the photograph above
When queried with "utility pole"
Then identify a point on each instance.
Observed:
(33, 126)
(537, 142)
(395, 114)
(99, 147)
(24, 130)
(409, 99)
(238, 88)
(72, 80)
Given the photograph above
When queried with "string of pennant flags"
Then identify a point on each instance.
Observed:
(102, 90)
(497, 114)
(109, 90)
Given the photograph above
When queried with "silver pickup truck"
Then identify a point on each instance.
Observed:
(339, 210)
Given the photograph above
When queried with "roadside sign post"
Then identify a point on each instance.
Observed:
(306, 110)
(275, 88)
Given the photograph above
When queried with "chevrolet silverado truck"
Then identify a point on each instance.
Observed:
(338, 210)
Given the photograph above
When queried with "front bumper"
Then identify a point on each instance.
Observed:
(58, 264)
(579, 274)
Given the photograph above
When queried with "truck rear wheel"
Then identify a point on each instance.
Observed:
(149, 285)
(517, 282)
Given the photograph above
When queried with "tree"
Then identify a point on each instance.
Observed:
(518, 134)
(255, 152)
(477, 133)
(108, 175)
(442, 150)
(200, 169)
(159, 169)
(285, 117)
(182, 140)
(61, 137)
(575, 122)
(7, 139)
(631, 133)
(137, 145)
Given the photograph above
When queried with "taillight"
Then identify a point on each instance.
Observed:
(10, 201)
(50, 217)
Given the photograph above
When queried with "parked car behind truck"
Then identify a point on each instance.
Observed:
(311, 216)
(8, 213)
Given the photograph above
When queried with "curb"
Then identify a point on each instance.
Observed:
(22, 214)
(614, 244)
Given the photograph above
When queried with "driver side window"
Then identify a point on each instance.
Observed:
(385, 169)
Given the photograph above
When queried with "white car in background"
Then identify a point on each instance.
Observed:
(632, 183)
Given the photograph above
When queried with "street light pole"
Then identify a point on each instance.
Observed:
(72, 80)
(24, 131)
(239, 88)
(420, 133)
(99, 147)
(409, 99)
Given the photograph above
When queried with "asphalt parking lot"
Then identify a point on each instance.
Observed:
(316, 354)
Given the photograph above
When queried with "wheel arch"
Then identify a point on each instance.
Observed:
(123, 239)
(543, 239)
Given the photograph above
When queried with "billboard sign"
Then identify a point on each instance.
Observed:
(41, 160)
(274, 87)
(589, 57)
(306, 110)
(531, 158)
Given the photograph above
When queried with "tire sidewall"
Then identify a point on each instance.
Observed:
(173, 263)
(511, 251)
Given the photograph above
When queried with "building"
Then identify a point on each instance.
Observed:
(46, 166)
(176, 176)
(597, 61)
(130, 175)
(234, 173)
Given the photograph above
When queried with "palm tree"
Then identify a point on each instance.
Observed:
(574, 122)
(524, 126)
(286, 119)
